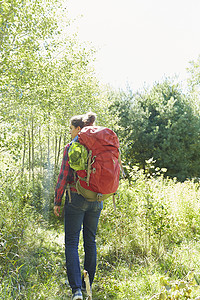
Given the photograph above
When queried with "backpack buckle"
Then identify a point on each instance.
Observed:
(99, 196)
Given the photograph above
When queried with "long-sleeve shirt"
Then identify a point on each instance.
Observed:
(66, 176)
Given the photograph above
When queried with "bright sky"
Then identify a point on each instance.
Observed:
(139, 41)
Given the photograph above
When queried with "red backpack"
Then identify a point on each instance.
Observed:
(101, 179)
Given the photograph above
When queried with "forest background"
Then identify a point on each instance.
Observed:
(149, 247)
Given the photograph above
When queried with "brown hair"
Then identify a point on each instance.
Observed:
(87, 119)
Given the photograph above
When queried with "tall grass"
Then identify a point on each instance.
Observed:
(151, 238)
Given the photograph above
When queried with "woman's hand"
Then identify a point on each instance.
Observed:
(57, 210)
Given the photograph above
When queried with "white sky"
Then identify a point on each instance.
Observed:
(139, 41)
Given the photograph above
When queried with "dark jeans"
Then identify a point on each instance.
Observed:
(77, 213)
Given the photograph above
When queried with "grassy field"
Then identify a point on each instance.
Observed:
(147, 249)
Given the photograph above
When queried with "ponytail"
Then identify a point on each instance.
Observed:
(83, 120)
(89, 119)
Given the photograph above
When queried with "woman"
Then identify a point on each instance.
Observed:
(78, 212)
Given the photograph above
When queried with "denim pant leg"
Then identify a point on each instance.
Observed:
(90, 224)
(79, 212)
(73, 221)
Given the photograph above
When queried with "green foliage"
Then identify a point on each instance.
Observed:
(160, 123)
(178, 289)
(151, 228)
(158, 208)
(153, 234)
(46, 77)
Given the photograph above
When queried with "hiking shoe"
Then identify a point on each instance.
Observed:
(77, 295)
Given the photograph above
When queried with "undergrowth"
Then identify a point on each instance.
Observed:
(147, 249)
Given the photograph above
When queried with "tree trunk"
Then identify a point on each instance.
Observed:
(55, 156)
(32, 150)
(29, 154)
(41, 153)
(24, 153)
(59, 145)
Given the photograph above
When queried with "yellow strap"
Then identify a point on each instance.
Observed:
(87, 284)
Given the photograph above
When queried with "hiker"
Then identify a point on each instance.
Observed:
(78, 212)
